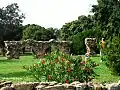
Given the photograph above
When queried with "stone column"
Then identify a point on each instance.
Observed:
(13, 49)
(90, 46)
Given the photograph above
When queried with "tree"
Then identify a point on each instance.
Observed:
(10, 21)
(107, 17)
(77, 26)
(39, 33)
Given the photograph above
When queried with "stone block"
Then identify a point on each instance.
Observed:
(7, 88)
(24, 86)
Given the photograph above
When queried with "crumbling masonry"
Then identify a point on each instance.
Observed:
(13, 48)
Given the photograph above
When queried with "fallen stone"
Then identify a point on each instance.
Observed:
(24, 86)
(68, 86)
(75, 83)
(4, 83)
(7, 88)
(40, 87)
(52, 83)
(114, 86)
(44, 83)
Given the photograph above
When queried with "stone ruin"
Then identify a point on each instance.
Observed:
(13, 49)
(39, 48)
(76, 85)
(90, 46)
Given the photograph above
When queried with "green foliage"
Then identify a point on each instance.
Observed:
(39, 33)
(72, 28)
(10, 22)
(30, 30)
(78, 41)
(112, 53)
(62, 68)
(107, 17)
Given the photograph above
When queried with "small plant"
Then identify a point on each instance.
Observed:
(62, 68)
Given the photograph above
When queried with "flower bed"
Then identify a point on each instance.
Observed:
(62, 68)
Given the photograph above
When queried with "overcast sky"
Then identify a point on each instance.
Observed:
(51, 13)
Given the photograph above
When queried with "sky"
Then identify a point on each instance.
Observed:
(51, 13)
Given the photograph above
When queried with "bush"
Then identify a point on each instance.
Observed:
(112, 52)
(62, 68)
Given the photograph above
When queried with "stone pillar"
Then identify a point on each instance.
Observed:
(90, 45)
(13, 49)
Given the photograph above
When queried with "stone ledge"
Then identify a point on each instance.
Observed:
(57, 86)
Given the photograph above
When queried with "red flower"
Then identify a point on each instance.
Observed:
(49, 77)
(36, 65)
(84, 69)
(43, 61)
(56, 60)
(69, 70)
(66, 81)
(63, 59)
(83, 62)
(80, 56)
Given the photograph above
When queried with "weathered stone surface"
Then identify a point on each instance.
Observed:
(39, 48)
(13, 49)
(75, 83)
(97, 87)
(55, 87)
(114, 86)
(40, 87)
(68, 86)
(59, 87)
(90, 45)
(45, 83)
(7, 88)
(4, 83)
(24, 86)
(52, 83)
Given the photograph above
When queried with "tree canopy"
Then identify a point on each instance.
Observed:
(10, 22)
(39, 33)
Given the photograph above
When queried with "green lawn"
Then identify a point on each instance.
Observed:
(12, 70)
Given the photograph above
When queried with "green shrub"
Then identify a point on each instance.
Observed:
(112, 54)
(62, 68)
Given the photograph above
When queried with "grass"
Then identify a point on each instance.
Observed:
(11, 70)
(104, 74)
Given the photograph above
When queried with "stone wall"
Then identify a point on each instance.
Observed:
(39, 48)
(59, 86)
(90, 45)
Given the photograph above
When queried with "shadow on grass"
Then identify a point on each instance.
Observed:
(15, 74)
(8, 60)
(27, 54)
